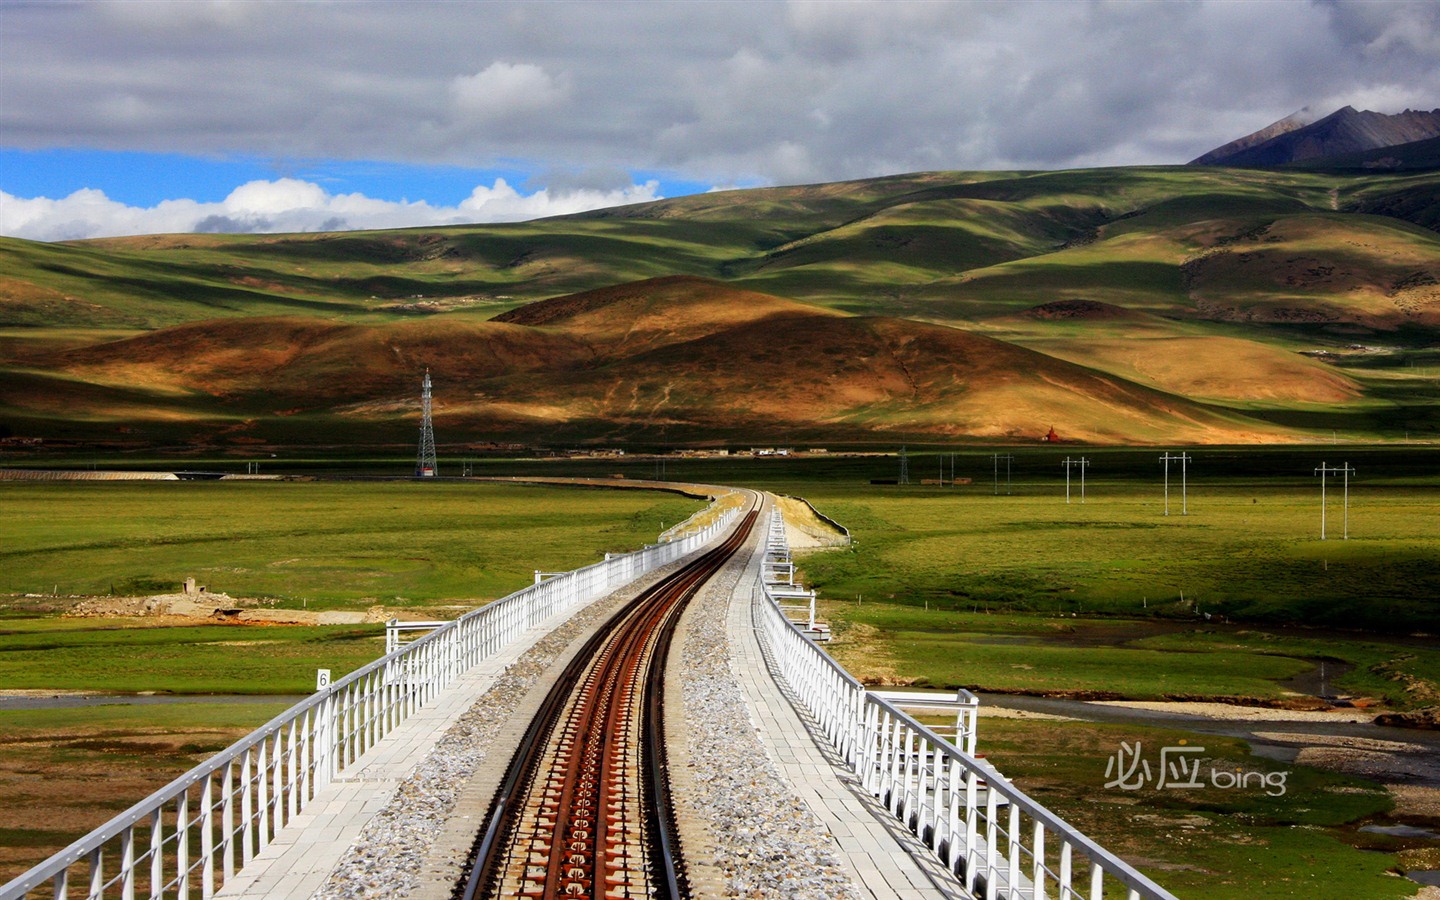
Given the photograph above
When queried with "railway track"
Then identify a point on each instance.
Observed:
(584, 809)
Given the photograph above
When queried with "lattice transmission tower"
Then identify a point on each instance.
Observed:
(425, 459)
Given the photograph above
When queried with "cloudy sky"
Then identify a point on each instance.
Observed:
(138, 116)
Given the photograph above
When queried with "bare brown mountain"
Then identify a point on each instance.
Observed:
(1345, 131)
(316, 363)
(667, 358)
(849, 376)
(630, 318)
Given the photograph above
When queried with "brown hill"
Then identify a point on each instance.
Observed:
(1345, 131)
(642, 315)
(853, 376)
(314, 363)
(667, 358)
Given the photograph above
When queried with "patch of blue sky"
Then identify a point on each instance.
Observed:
(145, 179)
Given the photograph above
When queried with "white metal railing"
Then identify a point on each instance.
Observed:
(194, 834)
(1002, 844)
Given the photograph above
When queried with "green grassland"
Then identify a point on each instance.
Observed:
(1243, 553)
(960, 586)
(323, 545)
(117, 655)
(1021, 592)
(1236, 272)
(435, 548)
(438, 548)
(862, 246)
(1207, 843)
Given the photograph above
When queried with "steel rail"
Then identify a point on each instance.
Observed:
(564, 771)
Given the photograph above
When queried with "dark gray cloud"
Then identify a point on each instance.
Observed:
(721, 92)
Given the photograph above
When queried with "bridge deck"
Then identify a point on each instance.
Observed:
(887, 861)
(304, 853)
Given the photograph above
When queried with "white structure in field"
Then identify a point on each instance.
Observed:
(425, 459)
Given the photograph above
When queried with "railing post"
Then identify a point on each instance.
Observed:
(293, 769)
(127, 864)
(97, 872)
(207, 839)
(992, 839)
(247, 807)
(227, 822)
(1037, 860)
(157, 847)
(262, 795)
(972, 854)
(277, 780)
(952, 829)
(1064, 889)
(182, 845)
(1012, 873)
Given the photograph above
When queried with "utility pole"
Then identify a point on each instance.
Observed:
(904, 467)
(1080, 463)
(1345, 470)
(996, 457)
(1183, 459)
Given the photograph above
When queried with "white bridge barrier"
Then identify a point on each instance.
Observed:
(999, 842)
(193, 835)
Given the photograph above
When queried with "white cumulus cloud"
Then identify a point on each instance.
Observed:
(290, 205)
(503, 90)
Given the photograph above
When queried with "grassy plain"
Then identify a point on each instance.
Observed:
(1211, 843)
(436, 547)
(959, 586)
(322, 545)
(1023, 593)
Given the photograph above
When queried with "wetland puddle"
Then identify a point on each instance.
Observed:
(1402, 831)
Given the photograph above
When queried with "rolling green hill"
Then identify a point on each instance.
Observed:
(1137, 304)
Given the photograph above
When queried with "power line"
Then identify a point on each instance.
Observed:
(1083, 464)
(997, 457)
(1346, 471)
(1183, 459)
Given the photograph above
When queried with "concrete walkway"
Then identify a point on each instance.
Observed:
(307, 849)
(888, 862)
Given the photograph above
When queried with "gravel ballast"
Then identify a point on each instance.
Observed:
(761, 837)
(392, 850)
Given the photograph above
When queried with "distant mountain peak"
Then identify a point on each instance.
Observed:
(1301, 137)
(1293, 122)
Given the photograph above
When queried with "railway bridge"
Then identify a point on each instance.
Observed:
(664, 723)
